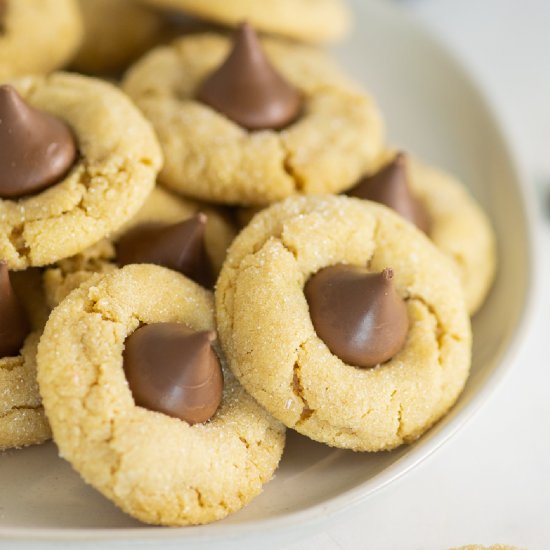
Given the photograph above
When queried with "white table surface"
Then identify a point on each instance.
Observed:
(491, 482)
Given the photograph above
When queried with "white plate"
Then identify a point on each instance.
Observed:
(433, 109)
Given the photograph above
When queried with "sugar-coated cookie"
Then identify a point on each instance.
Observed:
(267, 330)
(58, 197)
(156, 467)
(296, 126)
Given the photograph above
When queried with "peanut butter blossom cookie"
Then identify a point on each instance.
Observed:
(250, 122)
(22, 317)
(344, 322)
(77, 160)
(309, 20)
(440, 206)
(140, 404)
(168, 230)
(37, 36)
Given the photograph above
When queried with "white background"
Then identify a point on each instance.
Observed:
(491, 482)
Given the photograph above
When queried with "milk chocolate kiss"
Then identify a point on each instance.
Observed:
(36, 148)
(389, 186)
(14, 325)
(358, 314)
(248, 90)
(179, 247)
(173, 369)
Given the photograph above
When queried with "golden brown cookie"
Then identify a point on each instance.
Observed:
(118, 161)
(309, 20)
(22, 418)
(37, 36)
(337, 137)
(267, 333)
(185, 474)
(160, 206)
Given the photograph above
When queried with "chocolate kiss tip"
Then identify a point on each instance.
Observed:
(357, 314)
(246, 31)
(37, 149)
(14, 325)
(7, 92)
(400, 158)
(10, 100)
(248, 90)
(178, 246)
(390, 187)
(173, 369)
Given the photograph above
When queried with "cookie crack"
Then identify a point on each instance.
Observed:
(231, 289)
(115, 467)
(288, 247)
(399, 430)
(9, 364)
(440, 330)
(244, 442)
(298, 389)
(290, 170)
(440, 334)
(92, 306)
(200, 497)
(374, 237)
(17, 240)
(17, 408)
(86, 179)
(400, 422)
(252, 447)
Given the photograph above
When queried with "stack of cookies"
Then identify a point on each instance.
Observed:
(208, 240)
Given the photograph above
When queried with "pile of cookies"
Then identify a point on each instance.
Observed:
(207, 240)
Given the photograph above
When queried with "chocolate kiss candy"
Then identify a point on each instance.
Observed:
(179, 247)
(36, 148)
(247, 89)
(390, 187)
(174, 370)
(358, 314)
(14, 325)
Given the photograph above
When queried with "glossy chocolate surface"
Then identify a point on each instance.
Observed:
(174, 370)
(358, 314)
(37, 149)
